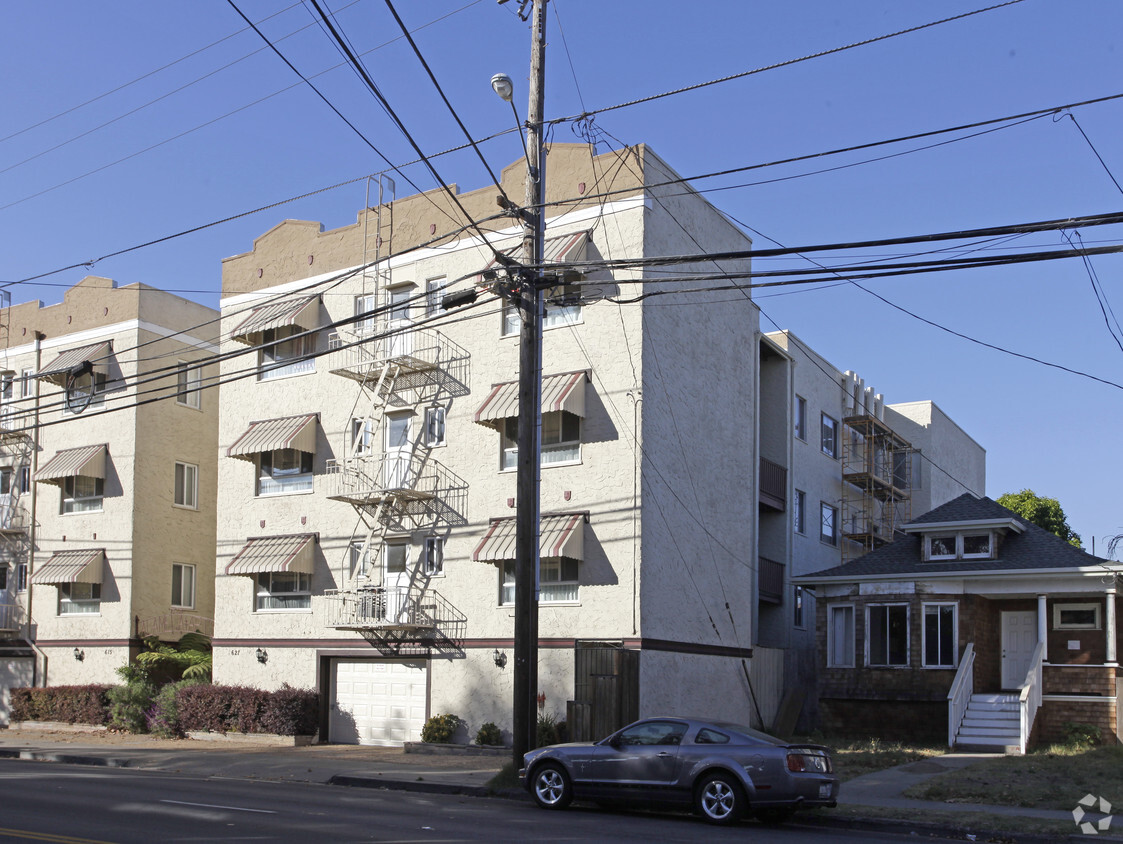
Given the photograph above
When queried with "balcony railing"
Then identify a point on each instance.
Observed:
(12, 617)
(409, 486)
(773, 484)
(422, 611)
(424, 361)
(770, 581)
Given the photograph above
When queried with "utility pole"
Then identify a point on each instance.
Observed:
(528, 482)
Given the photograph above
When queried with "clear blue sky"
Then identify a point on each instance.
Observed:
(1042, 428)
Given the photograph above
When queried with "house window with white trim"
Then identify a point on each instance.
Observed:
(434, 561)
(940, 635)
(21, 577)
(960, 546)
(562, 307)
(828, 523)
(283, 590)
(183, 586)
(186, 486)
(85, 391)
(79, 598)
(828, 435)
(434, 288)
(364, 305)
(840, 636)
(557, 579)
(360, 559)
(285, 351)
(561, 439)
(188, 384)
(82, 494)
(887, 635)
(362, 437)
(283, 471)
(434, 433)
(1076, 616)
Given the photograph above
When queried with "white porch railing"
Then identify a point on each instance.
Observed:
(1030, 697)
(12, 616)
(961, 690)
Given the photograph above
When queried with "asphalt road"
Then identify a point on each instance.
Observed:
(70, 804)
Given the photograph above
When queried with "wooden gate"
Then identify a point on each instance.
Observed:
(605, 690)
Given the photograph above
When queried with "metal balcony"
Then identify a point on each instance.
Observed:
(773, 484)
(417, 363)
(12, 617)
(394, 618)
(411, 490)
(770, 581)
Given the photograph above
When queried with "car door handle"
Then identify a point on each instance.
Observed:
(664, 754)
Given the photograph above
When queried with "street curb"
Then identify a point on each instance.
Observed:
(65, 758)
(410, 785)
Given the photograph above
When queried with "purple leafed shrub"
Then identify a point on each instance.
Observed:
(67, 704)
(241, 709)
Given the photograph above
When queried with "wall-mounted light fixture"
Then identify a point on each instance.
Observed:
(262, 656)
(500, 658)
(79, 654)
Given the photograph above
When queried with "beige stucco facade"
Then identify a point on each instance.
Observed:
(119, 504)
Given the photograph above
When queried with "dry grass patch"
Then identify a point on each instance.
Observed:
(854, 757)
(1050, 778)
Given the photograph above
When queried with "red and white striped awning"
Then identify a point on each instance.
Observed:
(273, 554)
(98, 355)
(297, 432)
(83, 566)
(555, 250)
(87, 461)
(301, 312)
(560, 535)
(559, 392)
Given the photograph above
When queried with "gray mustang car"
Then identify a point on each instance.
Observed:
(724, 771)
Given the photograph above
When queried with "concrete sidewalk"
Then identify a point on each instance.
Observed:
(456, 773)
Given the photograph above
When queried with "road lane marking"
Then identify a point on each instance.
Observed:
(213, 806)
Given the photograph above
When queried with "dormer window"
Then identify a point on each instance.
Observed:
(977, 545)
(960, 546)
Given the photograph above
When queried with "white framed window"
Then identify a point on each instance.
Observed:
(284, 471)
(85, 391)
(434, 433)
(183, 586)
(828, 435)
(942, 547)
(363, 440)
(840, 636)
(79, 598)
(511, 320)
(186, 485)
(799, 511)
(395, 560)
(557, 581)
(798, 597)
(81, 494)
(887, 635)
(940, 635)
(828, 523)
(21, 577)
(960, 546)
(1076, 616)
(434, 561)
(562, 307)
(285, 351)
(799, 413)
(364, 304)
(188, 385)
(977, 545)
(283, 590)
(27, 383)
(433, 292)
(360, 559)
(561, 439)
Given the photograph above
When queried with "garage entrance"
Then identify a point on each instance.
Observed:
(378, 702)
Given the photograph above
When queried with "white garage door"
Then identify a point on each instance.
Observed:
(377, 702)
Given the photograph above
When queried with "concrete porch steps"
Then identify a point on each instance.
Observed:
(991, 720)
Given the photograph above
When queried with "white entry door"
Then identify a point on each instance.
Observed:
(1019, 639)
(382, 703)
(397, 448)
(395, 581)
(399, 323)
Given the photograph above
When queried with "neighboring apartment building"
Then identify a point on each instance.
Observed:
(108, 445)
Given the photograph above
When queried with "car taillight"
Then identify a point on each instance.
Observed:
(816, 763)
(795, 762)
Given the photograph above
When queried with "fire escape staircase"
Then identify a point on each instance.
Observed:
(15, 520)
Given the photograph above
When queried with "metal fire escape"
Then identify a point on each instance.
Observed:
(389, 475)
(16, 447)
(876, 473)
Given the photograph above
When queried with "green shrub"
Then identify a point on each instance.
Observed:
(163, 717)
(546, 731)
(129, 704)
(1082, 735)
(489, 734)
(440, 729)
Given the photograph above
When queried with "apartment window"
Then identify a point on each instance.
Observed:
(434, 426)
(81, 494)
(285, 351)
(828, 436)
(434, 555)
(186, 485)
(561, 439)
(799, 509)
(188, 385)
(433, 290)
(21, 577)
(85, 391)
(562, 308)
(511, 319)
(4, 579)
(1076, 616)
(284, 471)
(23, 479)
(364, 304)
(283, 590)
(362, 437)
(797, 606)
(557, 579)
(79, 598)
(828, 523)
(26, 388)
(183, 586)
(940, 636)
(395, 561)
(887, 635)
(800, 412)
(360, 559)
(840, 636)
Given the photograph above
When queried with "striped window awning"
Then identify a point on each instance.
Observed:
(297, 432)
(555, 250)
(559, 536)
(98, 355)
(559, 392)
(87, 461)
(303, 313)
(273, 554)
(71, 567)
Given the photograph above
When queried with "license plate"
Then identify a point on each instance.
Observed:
(824, 792)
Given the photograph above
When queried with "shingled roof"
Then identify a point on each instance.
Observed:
(1033, 548)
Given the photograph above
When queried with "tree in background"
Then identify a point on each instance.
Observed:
(1044, 512)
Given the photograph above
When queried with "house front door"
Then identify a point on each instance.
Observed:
(1019, 639)
(399, 323)
(397, 450)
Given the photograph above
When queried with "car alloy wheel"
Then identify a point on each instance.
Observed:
(552, 789)
(718, 799)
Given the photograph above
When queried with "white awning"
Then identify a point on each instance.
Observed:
(559, 536)
(297, 432)
(98, 356)
(555, 250)
(559, 392)
(302, 313)
(87, 461)
(274, 554)
(71, 567)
